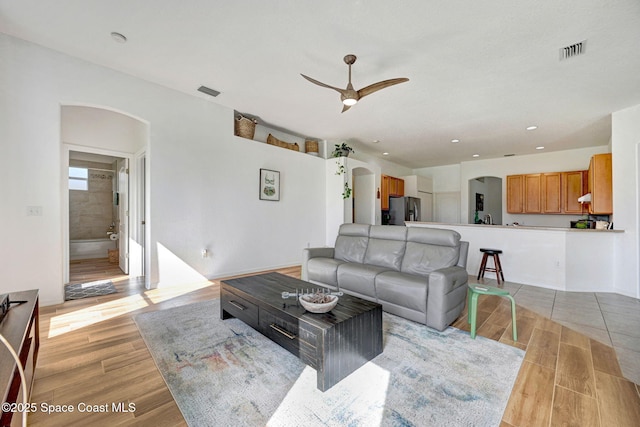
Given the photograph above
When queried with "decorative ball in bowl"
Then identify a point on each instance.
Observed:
(318, 303)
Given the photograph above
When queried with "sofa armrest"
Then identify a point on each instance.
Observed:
(447, 294)
(309, 253)
(447, 279)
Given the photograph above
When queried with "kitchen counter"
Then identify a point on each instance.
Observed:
(521, 227)
(567, 259)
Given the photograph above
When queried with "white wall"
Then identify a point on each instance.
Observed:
(625, 139)
(203, 180)
(364, 196)
(100, 128)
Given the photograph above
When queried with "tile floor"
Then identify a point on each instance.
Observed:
(612, 319)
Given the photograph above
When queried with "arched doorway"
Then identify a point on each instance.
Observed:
(101, 140)
(485, 198)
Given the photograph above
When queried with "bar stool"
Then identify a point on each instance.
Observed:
(476, 290)
(497, 267)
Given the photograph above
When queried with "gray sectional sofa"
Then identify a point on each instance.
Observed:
(417, 273)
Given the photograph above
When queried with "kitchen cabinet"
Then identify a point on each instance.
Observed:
(600, 185)
(551, 192)
(533, 193)
(574, 185)
(546, 193)
(391, 187)
(524, 193)
(515, 193)
(384, 202)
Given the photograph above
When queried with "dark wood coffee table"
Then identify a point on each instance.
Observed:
(335, 343)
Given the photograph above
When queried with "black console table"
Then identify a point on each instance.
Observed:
(20, 327)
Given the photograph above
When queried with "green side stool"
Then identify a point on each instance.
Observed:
(472, 305)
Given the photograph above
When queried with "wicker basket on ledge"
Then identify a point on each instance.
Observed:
(244, 127)
(272, 140)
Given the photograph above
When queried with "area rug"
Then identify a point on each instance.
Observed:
(223, 373)
(89, 289)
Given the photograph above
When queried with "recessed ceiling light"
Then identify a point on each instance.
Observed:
(476, 155)
(540, 148)
(455, 141)
(532, 128)
(385, 154)
(120, 38)
(375, 141)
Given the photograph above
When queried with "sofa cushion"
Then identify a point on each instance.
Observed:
(430, 249)
(323, 270)
(386, 246)
(359, 279)
(403, 289)
(351, 243)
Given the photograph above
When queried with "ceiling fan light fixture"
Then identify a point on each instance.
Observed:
(349, 101)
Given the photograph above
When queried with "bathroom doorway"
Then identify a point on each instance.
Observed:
(98, 223)
(103, 194)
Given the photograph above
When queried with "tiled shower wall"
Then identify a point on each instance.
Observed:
(92, 212)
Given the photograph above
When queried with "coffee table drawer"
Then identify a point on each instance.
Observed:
(239, 307)
(296, 339)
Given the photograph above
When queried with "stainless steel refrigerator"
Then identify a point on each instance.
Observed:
(403, 209)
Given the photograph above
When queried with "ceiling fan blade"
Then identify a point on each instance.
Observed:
(380, 85)
(341, 91)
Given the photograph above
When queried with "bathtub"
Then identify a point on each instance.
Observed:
(90, 248)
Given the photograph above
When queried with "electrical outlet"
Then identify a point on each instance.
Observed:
(34, 210)
(204, 253)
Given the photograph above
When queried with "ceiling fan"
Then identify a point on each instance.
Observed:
(350, 96)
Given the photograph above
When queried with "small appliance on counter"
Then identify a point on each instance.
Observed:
(583, 224)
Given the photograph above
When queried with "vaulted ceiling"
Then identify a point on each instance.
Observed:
(480, 72)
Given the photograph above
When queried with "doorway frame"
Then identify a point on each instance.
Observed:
(134, 204)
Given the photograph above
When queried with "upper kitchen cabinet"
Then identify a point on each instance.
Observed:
(515, 193)
(524, 193)
(574, 185)
(391, 187)
(600, 185)
(551, 192)
(546, 193)
(533, 193)
(384, 202)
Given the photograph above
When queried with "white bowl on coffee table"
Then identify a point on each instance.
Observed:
(318, 308)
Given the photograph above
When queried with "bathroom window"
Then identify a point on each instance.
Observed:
(78, 178)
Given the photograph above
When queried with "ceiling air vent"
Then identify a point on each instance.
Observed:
(573, 50)
(208, 91)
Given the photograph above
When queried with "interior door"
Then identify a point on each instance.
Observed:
(426, 206)
(123, 214)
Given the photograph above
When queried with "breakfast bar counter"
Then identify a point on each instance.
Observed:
(567, 259)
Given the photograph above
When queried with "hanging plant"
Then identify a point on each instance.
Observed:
(342, 150)
(342, 170)
(347, 191)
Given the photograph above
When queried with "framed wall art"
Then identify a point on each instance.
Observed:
(269, 185)
(479, 201)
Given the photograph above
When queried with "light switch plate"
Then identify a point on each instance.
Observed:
(34, 210)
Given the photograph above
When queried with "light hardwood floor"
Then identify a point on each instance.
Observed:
(92, 352)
